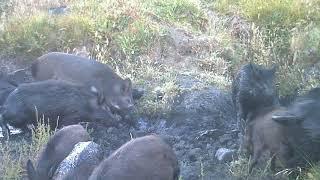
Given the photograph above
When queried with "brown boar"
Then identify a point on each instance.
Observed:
(68, 67)
(57, 148)
(264, 134)
(144, 158)
(304, 113)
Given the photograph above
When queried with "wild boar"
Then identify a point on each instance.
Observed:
(304, 110)
(57, 148)
(304, 113)
(144, 158)
(72, 68)
(70, 102)
(253, 88)
(263, 134)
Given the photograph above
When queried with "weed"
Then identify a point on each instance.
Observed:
(14, 154)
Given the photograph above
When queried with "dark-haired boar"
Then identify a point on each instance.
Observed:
(263, 134)
(304, 112)
(55, 151)
(69, 103)
(72, 68)
(144, 158)
(253, 88)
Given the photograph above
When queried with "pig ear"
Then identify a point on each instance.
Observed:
(127, 85)
(286, 118)
(30, 170)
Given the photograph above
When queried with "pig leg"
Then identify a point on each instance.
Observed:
(241, 125)
(241, 116)
(5, 128)
(258, 149)
(286, 155)
(248, 149)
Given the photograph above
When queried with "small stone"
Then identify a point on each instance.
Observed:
(194, 153)
(224, 154)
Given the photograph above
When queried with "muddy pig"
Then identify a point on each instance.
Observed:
(263, 134)
(57, 148)
(71, 103)
(72, 68)
(144, 158)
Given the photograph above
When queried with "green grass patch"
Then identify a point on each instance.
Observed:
(184, 12)
(14, 154)
(91, 22)
(35, 35)
(162, 91)
(286, 33)
(313, 173)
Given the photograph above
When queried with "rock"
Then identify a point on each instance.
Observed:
(224, 154)
(194, 154)
(84, 157)
(200, 102)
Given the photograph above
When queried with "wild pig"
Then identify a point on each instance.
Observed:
(72, 68)
(264, 134)
(304, 110)
(304, 113)
(71, 103)
(253, 88)
(57, 148)
(144, 158)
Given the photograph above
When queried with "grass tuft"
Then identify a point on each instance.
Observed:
(14, 154)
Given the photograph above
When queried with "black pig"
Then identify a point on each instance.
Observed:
(70, 102)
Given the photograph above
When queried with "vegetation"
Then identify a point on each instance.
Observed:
(14, 154)
(289, 28)
(138, 39)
